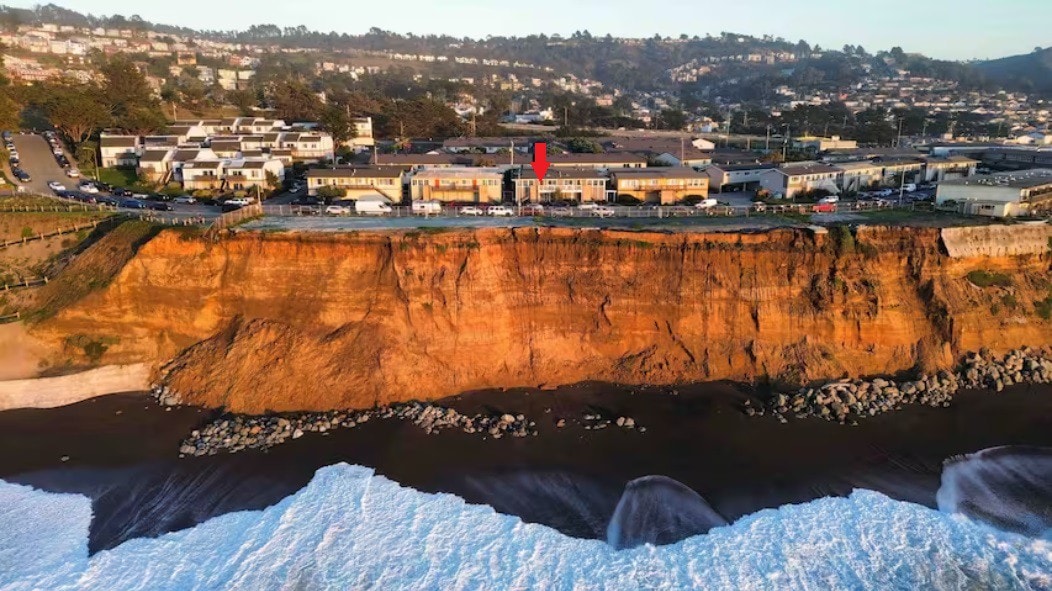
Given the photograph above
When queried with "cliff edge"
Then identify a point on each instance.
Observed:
(280, 322)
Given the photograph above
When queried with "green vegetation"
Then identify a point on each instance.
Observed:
(27, 232)
(93, 269)
(93, 348)
(1043, 308)
(119, 177)
(843, 240)
(984, 279)
(1009, 301)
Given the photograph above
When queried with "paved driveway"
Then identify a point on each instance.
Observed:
(39, 162)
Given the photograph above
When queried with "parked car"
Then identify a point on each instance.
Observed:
(159, 206)
(73, 173)
(239, 201)
(427, 207)
(121, 192)
(588, 206)
(338, 210)
(560, 212)
(103, 200)
(371, 207)
(885, 193)
(533, 209)
(184, 199)
(500, 211)
(56, 186)
(133, 204)
(88, 187)
(140, 196)
(472, 210)
(829, 199)
(22, 175)
(603, 211)
(14, 161)
(228, 207)
(824, 208)
(706, 203)
(306, 201)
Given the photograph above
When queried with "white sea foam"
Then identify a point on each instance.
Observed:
(350, 529)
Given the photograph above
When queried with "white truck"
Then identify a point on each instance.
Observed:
(427, 208)
(369, 206)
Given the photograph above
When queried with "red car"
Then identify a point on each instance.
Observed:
(824, 208)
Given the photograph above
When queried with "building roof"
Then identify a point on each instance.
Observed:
(203, 164)
(663, 172)
(802, 169)
(489, 142)
(154, 155)
(185, 155)
(460, 173)
(249, 165)
(371, 172)
(226, 145)
(528, 173)
(744, 166)
(1021, 179)
(955, 159)
(118, 141)
(596, 159)
(898, 162)
(863, 165)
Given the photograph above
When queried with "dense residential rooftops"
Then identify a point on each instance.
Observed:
(154, 155)
(743, 166)
(853, 166)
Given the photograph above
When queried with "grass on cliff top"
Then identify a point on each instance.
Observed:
(983, 278)
(37, 201)
(93, 268)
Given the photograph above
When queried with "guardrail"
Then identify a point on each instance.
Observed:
(11, 318)
(604, 211)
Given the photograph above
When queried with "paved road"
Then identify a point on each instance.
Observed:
(39, 162)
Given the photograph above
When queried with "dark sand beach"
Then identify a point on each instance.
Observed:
(122, 451)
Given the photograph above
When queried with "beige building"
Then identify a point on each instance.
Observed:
(664, 186)
(794, 180)
(938, 169)
(1004, 194)
(860, 176)
(475, 185)
(565, 184)
(358, 182)
(822, 144)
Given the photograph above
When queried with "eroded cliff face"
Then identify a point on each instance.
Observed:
(293, 322)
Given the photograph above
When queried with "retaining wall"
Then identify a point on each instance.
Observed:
(63, 390)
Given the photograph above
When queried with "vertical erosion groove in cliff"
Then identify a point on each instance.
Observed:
(285, 322)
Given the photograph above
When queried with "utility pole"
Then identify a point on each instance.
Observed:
(682, 153)
(785, 142)
(513, 152)
(566, 117)
(902, 187)
(768, 146)
(898, 140)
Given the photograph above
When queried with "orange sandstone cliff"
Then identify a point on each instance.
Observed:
(260, 322)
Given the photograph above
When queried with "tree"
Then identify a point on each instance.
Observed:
(295, 101)
(673, 119)
(335, 120)
(125, 87)
(77, 111)
(244, 100)
(144, 121)
(580, 145)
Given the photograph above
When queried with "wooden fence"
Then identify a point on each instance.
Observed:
(42, 235)
(11, 318)
(233, 218)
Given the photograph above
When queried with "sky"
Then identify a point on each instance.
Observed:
(946, 29)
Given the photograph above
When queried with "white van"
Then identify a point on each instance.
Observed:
(427, 207)
(371, 207)
(706, 203)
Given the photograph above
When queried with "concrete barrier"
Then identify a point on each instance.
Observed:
(997, 241)
(63, 390)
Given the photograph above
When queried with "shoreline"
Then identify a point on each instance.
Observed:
(122, 452)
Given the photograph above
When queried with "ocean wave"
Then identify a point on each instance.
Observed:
(350, 528)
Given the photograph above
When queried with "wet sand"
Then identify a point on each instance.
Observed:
(567, 478)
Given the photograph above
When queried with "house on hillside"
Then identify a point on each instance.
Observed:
(252, 173)
(118, 150)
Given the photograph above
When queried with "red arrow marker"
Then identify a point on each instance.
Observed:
(540, 159)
